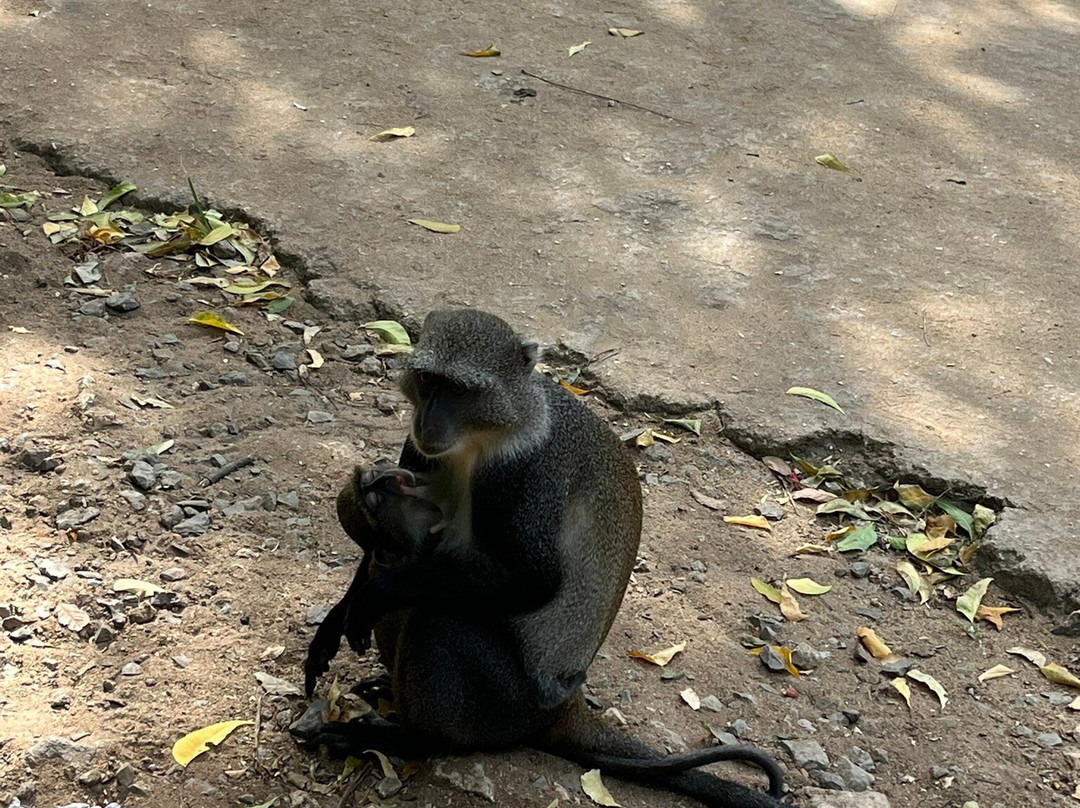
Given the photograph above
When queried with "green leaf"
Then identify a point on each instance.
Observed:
(390, 331)
(817, 395)
(115, 193)
(219, 233)
(829, 161)
(916, 584)
(770, 592)
(981, 519)
(691, 424)
(896, 542)
(914, 497)
(807, 586)
(279, 305)
(436, 227)
(579, 48)
(968, 603)
(962, 517)
(862, 538)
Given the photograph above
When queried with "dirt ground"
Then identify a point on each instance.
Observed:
(247, 591)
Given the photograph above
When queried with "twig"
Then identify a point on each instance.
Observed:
(606, 98)
(358, 778)
(258, 726)
(219, 474)
(925, 338)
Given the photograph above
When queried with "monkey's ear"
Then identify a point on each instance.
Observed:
(530, 354)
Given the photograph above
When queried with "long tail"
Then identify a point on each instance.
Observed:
(585, 739)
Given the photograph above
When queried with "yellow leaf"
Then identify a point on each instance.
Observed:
(816, 395)
(967, 552)
(594, 787)
(393, 134)
(18, 329)
(48, 228)
(807, 586)
(812, 549)
(912, 496)
(916, 584)
(789, 607)
(487, 52)
(903, 689)
(579, 48)
(214, 321)
(625, 33)
(1059, 675)
(141, 588)
(874, 644)
(771, 592)
(577, 391)
(316, 359)
(932, 683)
(934, 545)
(219, 233)
(995, 672)
(87, 208)
(195, 743)
(660, 658)
(665, 437)
(829, 161)
(1036, 658)
(992, 614)
(691, 698)
(784, 653)
(760, 522)
(1075, 704)
(270, 266)
(104, 235)
(436, 227)
(645, 439)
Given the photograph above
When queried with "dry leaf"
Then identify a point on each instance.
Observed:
(214, 321)
(816, 395)
(143, 589)
(625, 33)
(275, 686)
(436, 227)
(709, 502)
(932, 683)
(789, 607)
(660, 658)
(968, 603)
(579, 48)
(1036, 658)
(393, 134)
(995, 672)
(807, 586)
(934, 545)
(902, 688)
(316, 359)
(916, 584)
(272, 652)
(812, 549)
(577, 391)
(18, 329)
(759, 522)
(594, 787)
(992, 614)
(784, 653)
(1056, 674)
(874, 644)
(829, 161)
(486, 53)
(71, 616)
(195, 743)
(812, 495)
(385, 764)
(771, 592)
(1075, 704)
(912, 496)
(691, 698)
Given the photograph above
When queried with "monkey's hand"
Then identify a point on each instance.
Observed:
(358, 627)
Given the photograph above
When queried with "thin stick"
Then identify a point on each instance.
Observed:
(258, 726)
(358, 777)
(219, 474)
(607, 98)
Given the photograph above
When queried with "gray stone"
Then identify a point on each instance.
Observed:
(354, 352)
(122, 301)
(770, 510)
(388, 787)
(859, 569)
(828, 780)
(1048, 740)
(819, 798)
(283, 360)
(771, 660)
(195, 504)
(75, 517)
(319, 417)
(1023, 552)
(172, 517)
(142, 475)
(91, 778)
(311, 721)
(37, 459)
(60, 699)
(93, 308)
(181, 661)
(170, 479)
(104, 637)
(806, 754)
(55, 570)
(896, 667)
(468, 776)
(136, 500)
(290, 500)
(805, 657)
(234, 378)
(193, 526)
(386, 403)
(173, 574)
(316, 614)
(739, 728)
(712, 703)
(75, 755)
(861, 758)
(1069, 627)
(371, 366)
(142, 613)
(125, 775)
(258, 360)
(269, 501)
(131, 669)
(855, 777)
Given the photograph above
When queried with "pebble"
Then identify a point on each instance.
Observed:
(122, 301)
(771, 511)
(234, 378)
(1048, 740)
(104, 637)
(470, 778)
(819, 798)
(897, 667)
(739, 728)
(173, 574)
(60, 700)
(712, 703)
(232, 346)
(93, 308)
(855, 777)
(860, 569)
(316, 614)
(354, 352)
(938, 772)
(771, 660)
(310, 721)
(141, 614)
(55, 570)
(319, 417)
(386, 403)
(290, 500)
(805, 657)
(806, 754)
(258, 360)
(75, 755)
(371, 366)
(131, 669)
(181, 661)
(283, 360)
(142, 475)
(193, 526)
(828, 780)
(170, 479)
(75, 517)
(136, 500)
(861, 758)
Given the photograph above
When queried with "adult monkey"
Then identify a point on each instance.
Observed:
(496, 558)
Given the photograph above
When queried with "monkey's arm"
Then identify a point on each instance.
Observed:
(324, 645)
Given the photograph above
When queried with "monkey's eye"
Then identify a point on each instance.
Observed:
(424, 379)
(457, 389)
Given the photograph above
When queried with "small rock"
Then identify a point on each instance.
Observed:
(136, 500)
(91, 778)
(37, 459)
(104, 637)
(354, 352)
(1069, 627)
(896, 667)
(172, 517)
(290, 500)
(316, 614)
(766, 628)
(712, 703)
(122, 301)
(819, 798)
(828, 780)
(739, 728)
(371, 366)
(855, 777)
(193, 526)
(125, 775)
(311, 721)
(471, 779)
(870, 613)
(234, 378)
(1020, 731)
(269, 501)
(807, 754)
(73, 754)
(388, 787)
(131, 669)
(771, 660)
(1048, 740)
(93, 308)
(200, 787)
(76, 516)
(170, 479)
(860, 569)
(258, 360)
(805, 657)
(938, 772)
(55, 570)
(141, 614)
(142, 475)
(173, 574)
(283, 360)
(319, 417)
(60, 700)
(181, 661)
(863, 759)
(770, 510)
(386, 403)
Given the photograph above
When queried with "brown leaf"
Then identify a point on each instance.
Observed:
(779, 465)
(812, 495)
(992, 614)
(709, 502)
(934, 545)
(71, 616)
(1059, 675)
(874, 644)
(789, 607)
(660, 658)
